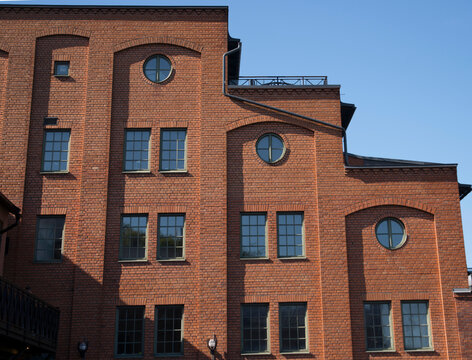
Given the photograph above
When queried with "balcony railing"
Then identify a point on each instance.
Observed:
(279, 81)
(26, 318)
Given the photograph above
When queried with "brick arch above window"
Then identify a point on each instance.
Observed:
(264, 118)
(159, 40)
(64, 30)
(389, 201)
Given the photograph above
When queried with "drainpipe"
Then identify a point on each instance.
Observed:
(286, 112)
(17, 220)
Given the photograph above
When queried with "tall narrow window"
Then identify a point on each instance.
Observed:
(49, 238)
(171, 236)
(377, 326)
(254, 328)
(253, 235)
(55, 150)
(416, 328)
(290, 234)
(137, 150)
(129, 331)
(173, 144)
(292, 322)
(169, 330)
(133, 237)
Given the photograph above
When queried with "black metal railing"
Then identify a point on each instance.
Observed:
(25, 317)
(279, 81)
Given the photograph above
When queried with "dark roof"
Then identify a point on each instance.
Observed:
(464, 190)
(347, 111)
(234, 59)
(25, 6)
(7, 204)
(374, 162)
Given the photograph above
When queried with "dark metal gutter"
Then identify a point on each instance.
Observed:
(143, 7)
(285, 112)
(7, 204)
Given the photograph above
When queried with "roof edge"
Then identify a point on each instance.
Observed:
(9, 205)
(26, 6)
(386, 163)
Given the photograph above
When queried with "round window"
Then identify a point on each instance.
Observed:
(157, 68)
(390, 233)
(270, 148)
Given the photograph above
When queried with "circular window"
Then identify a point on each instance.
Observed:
(157, 68)
(390, 233)
(270, 148)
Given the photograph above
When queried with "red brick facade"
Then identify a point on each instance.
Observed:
(106, 93)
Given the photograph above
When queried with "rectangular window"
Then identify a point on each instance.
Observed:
(416, 328)
(49, 238)
(169, 330)
(253, 235)
(290, 234)
(133, 237)
(61, 68)
(56, 150)
(129, 331)
(254, 328)
(377, 326)
(137, 150)
(171, 236)
(173, 144)
(292, 319)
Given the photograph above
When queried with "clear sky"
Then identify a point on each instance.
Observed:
(407, 65)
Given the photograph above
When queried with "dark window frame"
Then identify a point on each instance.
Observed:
(58, 63)
(251, 306)
(420, 324)
(302, 234)
(270, 148)
(53, 151)
(298, 339)
(157, 330)
(141, 169)
(117, 332)
(144, 258)
(390, 233)
(168, 215)
(373, 325)
(158, 70)
(241, 232)
(177, 149)
(61, 218)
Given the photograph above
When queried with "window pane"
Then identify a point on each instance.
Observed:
(416, 330)
(254, 328)
(133, 237)
(253, 235)
(270, 148)
(377, 325)
(173, 149)
(129, 330)
(390, 233)
(49, 238)
(137, 149)
(292, 326)
(55, 150)
(169, 329)
(171, 236)
(290, 234)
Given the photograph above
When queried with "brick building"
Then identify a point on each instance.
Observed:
(161, 208)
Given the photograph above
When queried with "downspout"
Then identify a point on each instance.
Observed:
(238, 48)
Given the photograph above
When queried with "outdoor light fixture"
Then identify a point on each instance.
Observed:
(82, 347)
(212, 345)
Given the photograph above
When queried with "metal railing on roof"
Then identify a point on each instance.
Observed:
(26, 318)
(279, 81)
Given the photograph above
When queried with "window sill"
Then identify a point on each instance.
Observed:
(253, 258)
(54, 172)
(133, 260)
(61, 76)
(169, 355)
(183, 171)
(420, 350)
(136, 171)
(292, 258)
(47, 261)
(381, 351)
(172, 260)
(256, 354)
(294, 352)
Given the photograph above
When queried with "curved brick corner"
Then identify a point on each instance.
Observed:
(159, 40)
(389, 201)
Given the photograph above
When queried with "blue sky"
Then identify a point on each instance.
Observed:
(407, 65)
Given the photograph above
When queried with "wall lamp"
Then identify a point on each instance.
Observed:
(212, 342)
